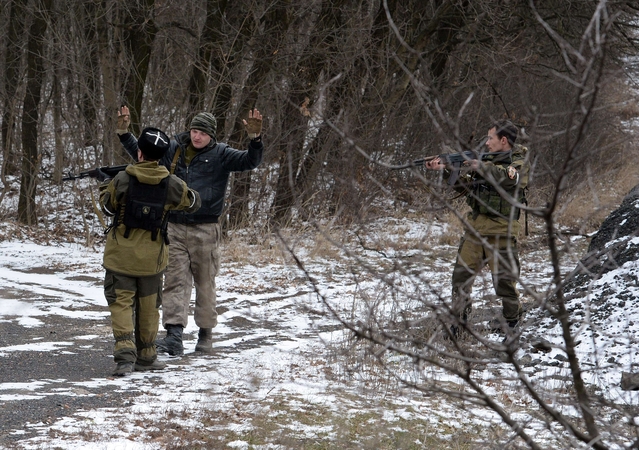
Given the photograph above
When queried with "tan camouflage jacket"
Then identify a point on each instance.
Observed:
(139, 255)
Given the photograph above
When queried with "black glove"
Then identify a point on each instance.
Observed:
(101, 176)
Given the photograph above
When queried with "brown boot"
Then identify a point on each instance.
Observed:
(144, 366)
(123, 368)
(205, 341)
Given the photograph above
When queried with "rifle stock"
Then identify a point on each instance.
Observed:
(111, 171)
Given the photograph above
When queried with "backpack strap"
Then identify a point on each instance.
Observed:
(175, 159)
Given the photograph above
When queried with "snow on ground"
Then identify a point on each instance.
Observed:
(277, 361)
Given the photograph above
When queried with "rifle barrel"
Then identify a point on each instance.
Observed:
(109, 170)
(454, 159)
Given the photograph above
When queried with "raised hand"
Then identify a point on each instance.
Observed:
(124, 120)
(253, 124)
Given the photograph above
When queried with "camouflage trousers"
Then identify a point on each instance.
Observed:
(194, 259)
(134, 304)
(500, 253)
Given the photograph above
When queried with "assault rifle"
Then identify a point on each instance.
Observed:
(454, 161)
(110, 171)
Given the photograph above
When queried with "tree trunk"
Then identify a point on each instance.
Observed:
(113, 152)
(30, 115)
(277, 23)
(223, 60)
(322, 145)
(57, 131)
(139, 34)
(12, 75)
(90, 75)
(211, 40)
(321, 47)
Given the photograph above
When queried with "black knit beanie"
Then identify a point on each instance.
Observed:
(153, 143)
(206, 122)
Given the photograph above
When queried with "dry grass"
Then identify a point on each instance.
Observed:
(454, 232)
(585, 207)
(253, 248)
(326, 246)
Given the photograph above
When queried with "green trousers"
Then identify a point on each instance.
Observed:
(134, 303)
(500, 253)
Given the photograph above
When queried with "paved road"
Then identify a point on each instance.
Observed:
(53, 383)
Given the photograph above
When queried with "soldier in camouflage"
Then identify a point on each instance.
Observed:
(136, 252)
(494, 190)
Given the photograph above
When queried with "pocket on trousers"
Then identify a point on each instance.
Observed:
(109, 288)
(158, 301)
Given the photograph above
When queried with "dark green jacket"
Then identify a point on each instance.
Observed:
(493, 213)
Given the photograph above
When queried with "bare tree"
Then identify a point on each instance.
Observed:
(210, 52)
(304, 85)
(320, 71)
(30, 116)
(12, 72)
(407, 316)
(266, 43)
(139, 30)
(108, 44)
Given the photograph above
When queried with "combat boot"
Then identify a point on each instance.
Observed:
(123, 368)
(205, 341)
(172, 343)
(512, 332)
(155, 365)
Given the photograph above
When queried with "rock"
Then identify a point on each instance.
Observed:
(629, 381)
(541, 344)
(525, 360)
(624, 221)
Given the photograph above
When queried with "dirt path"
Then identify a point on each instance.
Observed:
(46, 384)
(56, 347)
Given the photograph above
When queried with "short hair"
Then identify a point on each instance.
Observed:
(507, 129)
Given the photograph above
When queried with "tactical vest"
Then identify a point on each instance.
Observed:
(144, 208)
(485, 199)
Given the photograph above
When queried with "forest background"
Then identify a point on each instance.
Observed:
(349, 89)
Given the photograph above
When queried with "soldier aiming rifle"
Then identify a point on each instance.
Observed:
(494, 189)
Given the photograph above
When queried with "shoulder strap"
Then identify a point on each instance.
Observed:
(175, 159)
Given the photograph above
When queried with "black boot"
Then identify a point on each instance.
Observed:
(512, 332)
(172, 343)
(205, 341)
